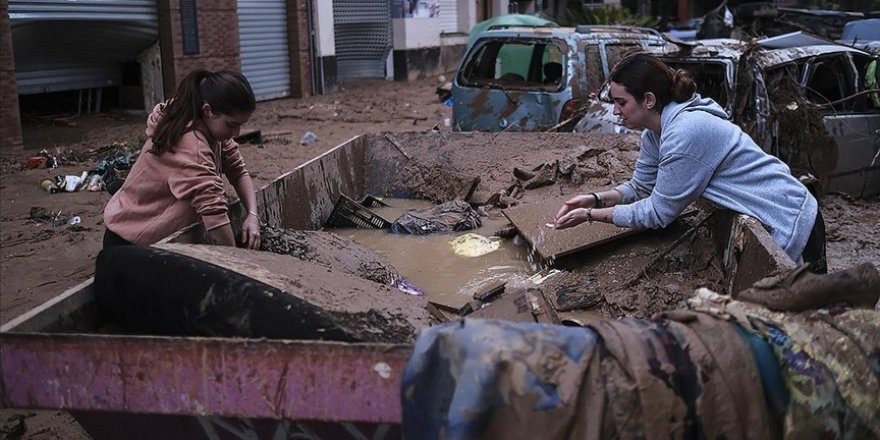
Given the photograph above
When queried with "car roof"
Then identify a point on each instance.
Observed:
(731, 49)
(582, 32)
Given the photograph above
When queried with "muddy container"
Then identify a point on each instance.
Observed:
(134, 386)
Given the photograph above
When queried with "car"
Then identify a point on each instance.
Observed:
(815, 107)
(515, 78)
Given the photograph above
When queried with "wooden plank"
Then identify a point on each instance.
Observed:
(531, 221)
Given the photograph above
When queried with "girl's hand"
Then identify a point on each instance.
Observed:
(582, 201)
(572, 218)
(250, 232)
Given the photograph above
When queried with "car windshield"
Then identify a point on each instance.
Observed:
(516, 64)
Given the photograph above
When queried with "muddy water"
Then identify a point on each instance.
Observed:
(429, 261)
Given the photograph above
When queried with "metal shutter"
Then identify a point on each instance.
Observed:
(265, 60)
(64, 45)
(448, 16)
(363, 37)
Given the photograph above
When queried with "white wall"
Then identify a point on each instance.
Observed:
(324, 31)
(415, 33)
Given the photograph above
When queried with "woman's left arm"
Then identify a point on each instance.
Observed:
(234, 168)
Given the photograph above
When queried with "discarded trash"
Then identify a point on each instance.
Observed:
(447, 122)
(308, 138)
(407, 287)
(49, 186)
(71, 183)
(75, 220)
(347, 213)
(35, 162)
(95, 183)
(448, 102)
(474, 245)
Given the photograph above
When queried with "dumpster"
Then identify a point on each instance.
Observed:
(62, 355)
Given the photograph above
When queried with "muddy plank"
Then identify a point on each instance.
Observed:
(531, 219)
(223, 291)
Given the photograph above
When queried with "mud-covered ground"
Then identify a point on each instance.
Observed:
(39, 260)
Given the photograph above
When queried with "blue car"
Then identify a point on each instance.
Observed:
(536, 78)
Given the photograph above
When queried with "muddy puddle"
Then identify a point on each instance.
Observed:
(430, 263)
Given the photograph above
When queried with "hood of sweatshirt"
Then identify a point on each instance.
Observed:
(696, 103)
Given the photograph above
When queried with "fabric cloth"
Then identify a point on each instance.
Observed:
(828, 359)
(164, 193)
(455, 215)
(618, 379)
(111, 239)
(699, 153)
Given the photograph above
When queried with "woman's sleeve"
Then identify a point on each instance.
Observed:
(194, 178)
(645, 174)
(681, 179)
(233, 162)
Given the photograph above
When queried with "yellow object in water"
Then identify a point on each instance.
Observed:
(474, 245)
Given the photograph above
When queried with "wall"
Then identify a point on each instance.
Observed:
(218, 40)
(10, 117)
(422, 50)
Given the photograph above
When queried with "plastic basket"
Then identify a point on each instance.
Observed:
(350, 214)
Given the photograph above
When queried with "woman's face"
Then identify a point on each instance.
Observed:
(632, 114)
(223, 127)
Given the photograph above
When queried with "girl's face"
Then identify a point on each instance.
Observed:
(632, 114)
(223, 127)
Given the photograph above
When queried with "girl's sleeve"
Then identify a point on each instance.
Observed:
(233, 162)
(681, 179)
(194, 178)
(645, 174)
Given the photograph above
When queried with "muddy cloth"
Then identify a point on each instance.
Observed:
(456, 215)
(829, 363)
(619, 379)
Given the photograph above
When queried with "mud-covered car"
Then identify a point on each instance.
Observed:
(815, 107)
(530, 79)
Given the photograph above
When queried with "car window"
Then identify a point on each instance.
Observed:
(710, 76)
(865, 100)
(516, 64)
(829, 80)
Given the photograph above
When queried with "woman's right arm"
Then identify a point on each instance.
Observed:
(644, 177)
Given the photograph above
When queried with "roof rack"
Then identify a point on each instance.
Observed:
(520, 25)
(588, 28)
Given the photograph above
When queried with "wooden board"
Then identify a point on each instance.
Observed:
(531, 220)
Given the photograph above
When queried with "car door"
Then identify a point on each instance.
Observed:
(511, 84)
(835, 83)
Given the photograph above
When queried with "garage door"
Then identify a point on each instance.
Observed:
(265, 60)
(362, 36)
(448, 16)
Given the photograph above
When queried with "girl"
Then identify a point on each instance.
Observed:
(177, 178)
(690, 150)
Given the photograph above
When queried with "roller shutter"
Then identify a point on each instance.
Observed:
(265, 59)
(362, 36)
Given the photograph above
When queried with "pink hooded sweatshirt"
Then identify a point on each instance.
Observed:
(164, 193)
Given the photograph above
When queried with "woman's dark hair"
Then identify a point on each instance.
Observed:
(640, 73)
(226, 91)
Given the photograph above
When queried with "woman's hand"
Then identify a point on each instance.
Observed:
(573, 218)
(250, 232)
(582, 201)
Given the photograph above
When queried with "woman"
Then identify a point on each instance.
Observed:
(690, 150)
(177, 178)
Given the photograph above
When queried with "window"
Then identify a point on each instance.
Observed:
(829, 80)
(516, 64)
(711, 79)
(189, 26)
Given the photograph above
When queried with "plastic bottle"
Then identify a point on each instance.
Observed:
(308, 138)
(49, 186)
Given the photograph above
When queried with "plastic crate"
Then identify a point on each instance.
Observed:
(350, 214)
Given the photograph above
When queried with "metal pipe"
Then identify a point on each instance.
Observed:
(310, 28)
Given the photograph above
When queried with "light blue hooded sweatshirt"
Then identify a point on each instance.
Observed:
(700, 153)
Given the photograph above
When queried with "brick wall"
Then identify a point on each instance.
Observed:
(10, 118)
(218, 40)
(298, 46)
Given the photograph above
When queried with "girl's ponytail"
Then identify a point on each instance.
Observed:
(683, 86)
(185, 108)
